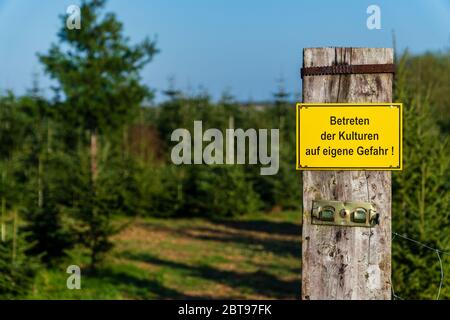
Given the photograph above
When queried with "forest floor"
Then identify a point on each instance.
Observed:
(256, 256)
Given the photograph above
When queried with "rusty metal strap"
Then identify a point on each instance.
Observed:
(348, 69)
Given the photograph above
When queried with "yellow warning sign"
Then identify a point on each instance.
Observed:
(349, 136)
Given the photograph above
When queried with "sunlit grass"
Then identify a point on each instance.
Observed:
(256, 256)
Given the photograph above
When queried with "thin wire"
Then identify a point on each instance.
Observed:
(442, 275)
(438, 253)
(397, 297)
(390, 278)
(393, 291)
(422, 244)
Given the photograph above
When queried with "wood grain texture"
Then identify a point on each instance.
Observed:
(347, 262)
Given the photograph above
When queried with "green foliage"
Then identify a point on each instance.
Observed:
(12, 127)
(49, 234)
(17, 269)
(429, 75)
(99, 73)
(44, 169)
(421, 197)
(218, 191)
(96, 202)
(160, 189)
(98, 70)
(278, 191)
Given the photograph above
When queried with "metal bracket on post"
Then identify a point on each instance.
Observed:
(339, 213)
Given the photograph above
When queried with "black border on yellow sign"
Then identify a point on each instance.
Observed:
(400, 136)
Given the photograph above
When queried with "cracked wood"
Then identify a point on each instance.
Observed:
(347, 262)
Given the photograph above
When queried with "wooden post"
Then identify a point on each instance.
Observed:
(347, 262)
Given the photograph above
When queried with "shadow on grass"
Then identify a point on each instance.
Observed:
(280, 238)
(280, 247)
(259, 282)
(133, 287)
(269, 227)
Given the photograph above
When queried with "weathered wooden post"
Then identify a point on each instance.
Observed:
(341, 262)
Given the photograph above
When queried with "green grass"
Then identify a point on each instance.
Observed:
(254, 257)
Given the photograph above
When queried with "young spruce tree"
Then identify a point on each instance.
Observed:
(421, 197)
(98, 71)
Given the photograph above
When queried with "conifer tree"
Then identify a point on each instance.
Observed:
(421, 197)
(17, 268)
(41, 166)
(98, 72)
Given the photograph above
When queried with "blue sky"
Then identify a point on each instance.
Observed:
(241, 46)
